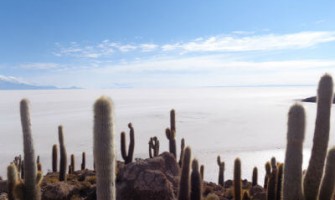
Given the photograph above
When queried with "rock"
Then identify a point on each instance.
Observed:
(149, 179)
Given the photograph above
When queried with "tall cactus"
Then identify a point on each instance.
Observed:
(182, 147)
(83, 161)
(128, 157)
(237, 180)
(221, 171)
(196, 184)
(12, 180)
(293, 158)
(255, 176)
(171, 134)
(279, 181)
(54, 158)
(104, 149)
(184, 183)
(320, 141)
(271, 189)
(267, 174)
(63, 155)
(30, 191)
(328, 182)
(73, 163)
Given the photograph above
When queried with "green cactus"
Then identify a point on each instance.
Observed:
(104, 149)
(255, 176)
(221, 171)
(31, 191)
(54, 158)
(279, 181)
(314, 171)
(196, 185)
(153, 147)
(171, 134)
(83, 161)
(328, 182)
(63, 155)
(128, 157)
(237, 180)
(184, 183)
(12, 180)
(293, 158)
(182, 147)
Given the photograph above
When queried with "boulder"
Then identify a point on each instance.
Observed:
(149, 179)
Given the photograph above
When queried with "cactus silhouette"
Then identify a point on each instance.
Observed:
(271, 189)
(83, 161)
(171, 134)
(63, 155)
(182, 147)
(237, 180)
(31, 190)
(184, 183)
(128, 157)
(273, 163)
(104, 149)
(202, 169)
(279, 181)
(54, 158)
(267, 174)
(314, 171)
(328, 182)
(153, 147)
(221, 171)
(293, 157)
(72, 163)
(195, 181)
(254, 176)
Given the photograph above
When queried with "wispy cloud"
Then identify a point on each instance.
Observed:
(40, 66)
(237, 41)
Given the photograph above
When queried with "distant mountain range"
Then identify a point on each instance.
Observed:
(11, 83)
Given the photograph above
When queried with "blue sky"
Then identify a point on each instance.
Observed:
(105, 44)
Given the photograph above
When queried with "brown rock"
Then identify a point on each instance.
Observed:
(149, 179)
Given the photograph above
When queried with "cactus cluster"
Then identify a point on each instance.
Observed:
(128, 156)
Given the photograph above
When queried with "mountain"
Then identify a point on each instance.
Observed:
(11, 83)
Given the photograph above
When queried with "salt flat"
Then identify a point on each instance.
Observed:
(245, 122)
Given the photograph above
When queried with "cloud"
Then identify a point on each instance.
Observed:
(40, 66)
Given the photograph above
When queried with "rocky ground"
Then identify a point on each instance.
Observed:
(148, 179)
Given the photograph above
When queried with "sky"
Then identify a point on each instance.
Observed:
(151, 43)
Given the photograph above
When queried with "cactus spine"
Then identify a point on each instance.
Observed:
(195, 181)
(171, 133)
(254, 176)
(184, 183)
(30, 191)
(221, 171)
(128, 158)
(328, 182)
(104, 148)
(293, 158)
(83, 161)
(153, 147)
(237, 180)
(54, 158)
(320, 141)
(63, 155)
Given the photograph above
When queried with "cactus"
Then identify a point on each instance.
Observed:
(271, 189)
(30, 190)
(83, 161)
(72, 163)
(254, 176)
(182, 147)
(267, 174)
(184, 183)
(314, 171)
(196, 184)
(39, 167)
(273, 163)
(328, 182)
(245, 196)
(171, 133)
(221, 171)
(202, 169)
(12, 180)
(293, 158)
(237, 180)
(279, 181)
(128, 158)
(54, 158)
(104, 149)
(153, 147)
(63, 155)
